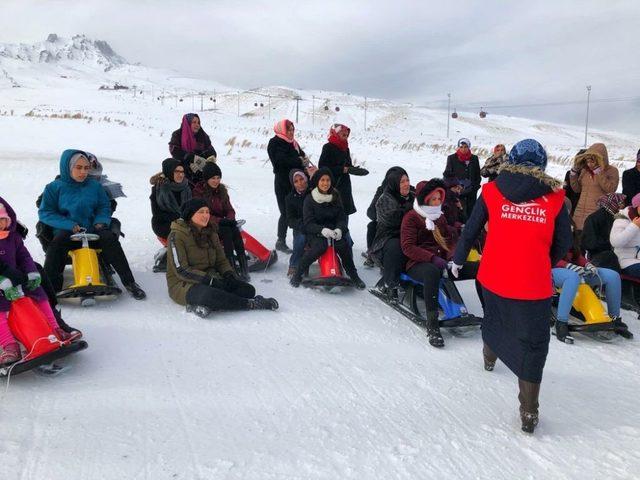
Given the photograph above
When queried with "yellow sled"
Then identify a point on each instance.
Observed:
(588, 309)
(87, 274)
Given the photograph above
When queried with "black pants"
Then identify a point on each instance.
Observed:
(281, 192)
(224, 298)
(231, 241)
(430, 276)
(372, 226)
(58, 249)
(393, 262)
(318, 245)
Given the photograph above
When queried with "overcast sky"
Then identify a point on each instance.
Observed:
(485, 52)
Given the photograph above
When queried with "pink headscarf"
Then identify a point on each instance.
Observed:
(188, 140)
(281, 132)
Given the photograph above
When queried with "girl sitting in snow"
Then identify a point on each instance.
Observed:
(18, 272)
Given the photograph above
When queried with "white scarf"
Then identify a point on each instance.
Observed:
(430, 214)
(321, 197)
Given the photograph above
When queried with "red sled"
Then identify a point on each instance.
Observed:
(30, 327)
(260, 257)
(330, 274)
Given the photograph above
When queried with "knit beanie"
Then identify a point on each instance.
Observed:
(321, 173)
(168, 167)
(192, 206)
(210, 170)
(528, 153)
(466, 141)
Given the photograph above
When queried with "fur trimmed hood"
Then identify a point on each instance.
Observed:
(536, 173)
(597, 151)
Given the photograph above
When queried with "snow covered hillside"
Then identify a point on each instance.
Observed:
(329, 386)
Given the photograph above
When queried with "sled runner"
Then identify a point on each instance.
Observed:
(259, 257)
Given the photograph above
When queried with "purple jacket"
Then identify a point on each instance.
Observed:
(14, 254)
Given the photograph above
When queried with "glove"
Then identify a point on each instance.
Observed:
(227, 222)
(439, 262)
(326, 233)
(455, 269)
(597, 171)
(34, 280)
(188, 158)
(358, 171)
(15, 276)
(575, 268)
(337, 234)
(590, 269)
(10, 291)
(231, 281)
(197, 164)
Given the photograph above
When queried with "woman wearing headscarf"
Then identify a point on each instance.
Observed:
(336, 157)
(285, 153)
(491, 166)
(596, 230)
(528, 233)
(465, 166)
(191, 145)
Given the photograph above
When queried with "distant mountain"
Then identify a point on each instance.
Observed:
(59, 50)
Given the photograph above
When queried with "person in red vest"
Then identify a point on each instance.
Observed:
(522, 203)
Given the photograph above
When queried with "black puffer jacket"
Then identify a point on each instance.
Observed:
(595, 232)
(318, 213)
(294, 204)
(390, 210)
(467, 172)
(335, 160)
(283, 158)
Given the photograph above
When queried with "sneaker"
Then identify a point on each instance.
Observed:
(11, 354)
(136, 292)
(200, 310)
(281, 246)
(261, 303)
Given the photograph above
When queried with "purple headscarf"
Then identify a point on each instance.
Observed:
(188, 139)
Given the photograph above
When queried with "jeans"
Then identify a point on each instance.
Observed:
(299, 241)
(569, 282)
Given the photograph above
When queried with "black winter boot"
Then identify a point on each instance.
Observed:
(562, 332)
(489, 358)
(281, 245)
(261, 303)
(200, 310)
(528, 397)
(136, 292)
(621, 328)
(433, 330)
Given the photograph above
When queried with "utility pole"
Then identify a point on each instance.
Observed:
(448, 112)
(269, 106)
(238, 103)
(297, 99)
(201, 101)
(175, 90)
(215, 103)
(586, 122)
(365, 114)
(313, 110)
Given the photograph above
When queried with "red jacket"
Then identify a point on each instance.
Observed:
(217, 200)
(419, 245)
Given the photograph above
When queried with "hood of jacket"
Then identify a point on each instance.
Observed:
(597, 151)
(65, 172)
(11, 213)
(521, 184)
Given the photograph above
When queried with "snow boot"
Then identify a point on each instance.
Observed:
(621, 328)
(528, 397)
(296, 279)
(281, 245)
(11, 354)
(357, 282)
(200, 310)
(291, 272)
(74, 332)
(562, 332)
(433, 330)
(489, 358)
(368, 260)
(261, 303)
(136, 292)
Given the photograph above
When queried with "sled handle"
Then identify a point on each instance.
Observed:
(84, 237)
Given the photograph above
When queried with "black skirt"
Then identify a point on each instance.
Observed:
(518, 333)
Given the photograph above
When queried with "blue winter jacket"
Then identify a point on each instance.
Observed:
(66, 203)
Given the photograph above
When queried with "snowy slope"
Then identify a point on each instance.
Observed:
(330, 386)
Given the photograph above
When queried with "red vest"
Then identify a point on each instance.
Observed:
(516, 260)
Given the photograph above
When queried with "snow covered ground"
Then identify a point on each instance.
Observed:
(329, 386)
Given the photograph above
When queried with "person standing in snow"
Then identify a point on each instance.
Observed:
(491, 166)
(528, 232)
(465, 166)
(198, 272)
(336, 157)
(285, 153)
(631, 180)
(74, 202)
(191, 146)
(593, 177)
